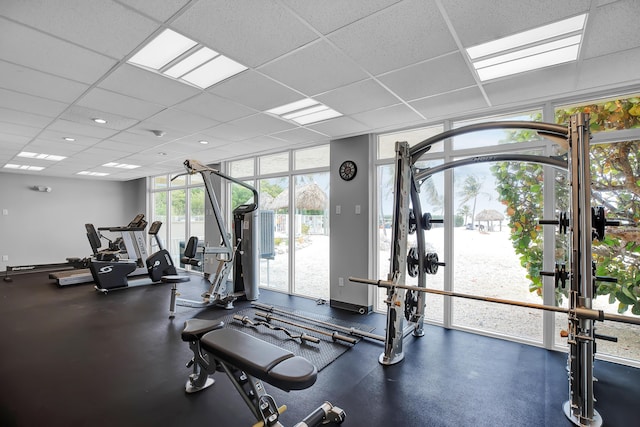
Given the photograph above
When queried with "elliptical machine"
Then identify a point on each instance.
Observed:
(109, 272)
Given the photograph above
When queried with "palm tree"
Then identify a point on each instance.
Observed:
(471, 189)
(465, 211)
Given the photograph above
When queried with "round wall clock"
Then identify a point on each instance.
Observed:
(348, 170)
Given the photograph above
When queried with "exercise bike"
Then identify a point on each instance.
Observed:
(110, 272)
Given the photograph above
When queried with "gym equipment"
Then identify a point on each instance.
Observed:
(583, 223)
(244, 252)
(71, 264)
(111, 273)
(301, 336)
(334, 335)
(350, 331)
(129, 245)
(248, 361)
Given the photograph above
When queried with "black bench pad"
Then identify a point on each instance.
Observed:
(272, 364)
(196, 328)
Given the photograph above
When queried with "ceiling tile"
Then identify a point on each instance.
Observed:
(25, 80)
(358, 97)
(339, 126)
(31, 104)
(21, 117)
(16, 141)
(316, 68)
(263, 124)
(247, 31)
(300, 135)
(396, 115)
(61, 148)
(403, 34)
(18, 129)
(25, 46)
(598, 72)
(56, 136)
(180, 120)
(327, 16)
(147, 86)
(230, 132)
(256, 91)
(450, 104)
(602, 20)
(534, 86)
(115, 103)
(432, 77)
(215, 107)
(85, 116)
(75, 129)
(104, 26)
(157, 9)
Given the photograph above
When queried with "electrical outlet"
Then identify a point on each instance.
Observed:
(340, 281)
(5, 257)
(5, 211)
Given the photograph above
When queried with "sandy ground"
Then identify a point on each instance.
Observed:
(485, 265)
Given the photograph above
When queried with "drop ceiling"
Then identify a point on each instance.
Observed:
(383, 64)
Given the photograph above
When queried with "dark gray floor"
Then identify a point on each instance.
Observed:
(74, 357)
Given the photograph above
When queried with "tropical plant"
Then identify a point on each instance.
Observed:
(615, 177)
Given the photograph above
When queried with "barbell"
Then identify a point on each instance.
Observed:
(579, 312)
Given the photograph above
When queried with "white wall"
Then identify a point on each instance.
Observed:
(42, 228)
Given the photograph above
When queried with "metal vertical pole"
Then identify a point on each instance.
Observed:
(398, 264)
(580, 406)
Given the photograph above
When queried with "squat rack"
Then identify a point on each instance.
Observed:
(408, 217)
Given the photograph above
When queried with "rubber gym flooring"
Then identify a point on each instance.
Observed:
(74, 357)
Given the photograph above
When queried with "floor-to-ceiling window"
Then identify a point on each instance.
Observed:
(180, 204)
(293, 190)
(615, 187)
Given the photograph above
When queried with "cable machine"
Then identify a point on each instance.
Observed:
(242, 252)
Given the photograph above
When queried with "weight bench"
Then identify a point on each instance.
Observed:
(248, 361)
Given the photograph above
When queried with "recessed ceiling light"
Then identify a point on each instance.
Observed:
(203, 142)
(67, 138)
(101, 121)
(162, 50)
(41, 156)
(87, 173)
(23, 167)
(120, 165)
(162, 153)
(305, 111)
(213, 72)
(180, 58)
(551, 44)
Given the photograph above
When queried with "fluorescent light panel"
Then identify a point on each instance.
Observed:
(540, 47)
(178, 57)
(87, 173)
(162, 50)
(120, 165)
(23, 167)
(41, 156)
(305, 111)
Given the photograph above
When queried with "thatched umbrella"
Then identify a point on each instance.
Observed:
(490, 215)
(308, 196)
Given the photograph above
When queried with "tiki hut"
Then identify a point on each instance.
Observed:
(489, 216)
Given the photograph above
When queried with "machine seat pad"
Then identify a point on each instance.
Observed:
(265, 361)
(175, 278)
(194, 329)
